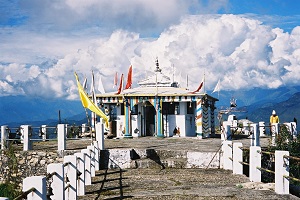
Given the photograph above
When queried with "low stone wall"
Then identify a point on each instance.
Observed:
(15, 166)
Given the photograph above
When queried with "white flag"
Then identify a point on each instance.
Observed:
(84, 84)
(93, 93)
(100, 85)
(217, 88)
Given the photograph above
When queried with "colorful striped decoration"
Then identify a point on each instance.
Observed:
(212, 121)
(205, 121)
(199, 118)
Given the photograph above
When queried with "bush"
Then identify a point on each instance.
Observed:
(8, 190)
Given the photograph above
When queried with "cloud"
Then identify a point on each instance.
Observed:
(242, 52)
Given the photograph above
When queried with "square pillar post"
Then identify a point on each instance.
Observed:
(100, 135)
(26, 133)
(254, 164)
(237, 158)
(227, 154)
(81, 177)
(58, 182)
(87, 166)
(37, 182)
(61, 137)
(70, 177)
(4, 136)
(282, 184)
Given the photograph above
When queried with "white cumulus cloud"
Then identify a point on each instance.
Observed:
(242, 52)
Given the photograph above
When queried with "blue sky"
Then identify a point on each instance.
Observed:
(243, 43)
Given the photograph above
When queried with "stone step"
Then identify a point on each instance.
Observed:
(159, 164)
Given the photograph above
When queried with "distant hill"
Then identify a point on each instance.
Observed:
(259, 103)
(32, 110)
(286, 110)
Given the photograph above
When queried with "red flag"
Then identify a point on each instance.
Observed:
(129, 78)
(121, 85)
(199, 88)
(115, 80)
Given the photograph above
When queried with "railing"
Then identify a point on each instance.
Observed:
(233, 160)
(24, 194)
(27, 134)
(65, 180)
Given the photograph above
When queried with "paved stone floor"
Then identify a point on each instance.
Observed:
(210, 184)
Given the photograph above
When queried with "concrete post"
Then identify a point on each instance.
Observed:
(26, 132)
(92, 149)
(227, 154)
(262, 129)
(4, 136)
(40, 185)
(100, 135)
(58, 182)
(294, 129)
(97, 155)
(70, 177)
(44, 132)
(254, 164)
(246, 128)
(83, 128)
(88, 177)
(237, 157)
(61, 137)
(274, 132)
(81, 177)
(227, 130)
(281, 169)
(255, 135)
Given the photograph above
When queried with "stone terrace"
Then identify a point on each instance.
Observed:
(156, 182)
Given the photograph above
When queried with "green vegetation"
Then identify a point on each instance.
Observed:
(9, 171)
(8, 190)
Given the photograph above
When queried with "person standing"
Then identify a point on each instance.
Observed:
(274, 118)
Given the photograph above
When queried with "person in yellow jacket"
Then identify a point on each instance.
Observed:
(274, 118)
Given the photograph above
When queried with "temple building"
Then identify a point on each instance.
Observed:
(159, 107)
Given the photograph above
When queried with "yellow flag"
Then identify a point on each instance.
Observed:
(87, 102)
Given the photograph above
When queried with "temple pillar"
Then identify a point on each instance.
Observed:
(159, 117)
(212, 119)
(127, 118)
(199, 118)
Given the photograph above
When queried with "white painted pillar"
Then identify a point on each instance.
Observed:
(83, 128)
(246, 127)
(281, 169)
(274, 132)
(227, 154)
(88, 177)
(92, 149)
(97, 155)
(26, 132)
(237, 157)
(4, 136)
(44, 132)
(262, 129)
(81, 177)
(57, 180)
(294, 129)
(70, 177)
(100, 135)
(61, 137)
(40, 185)
(227, 130)
(254, 163)
(255, 135)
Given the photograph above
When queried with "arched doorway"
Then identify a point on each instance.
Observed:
(148, 121)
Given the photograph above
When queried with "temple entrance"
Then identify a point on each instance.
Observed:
(149, 119)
